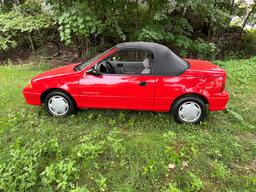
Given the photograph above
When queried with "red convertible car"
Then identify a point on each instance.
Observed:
(133, 76)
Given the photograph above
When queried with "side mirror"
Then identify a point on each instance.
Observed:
(93, 71)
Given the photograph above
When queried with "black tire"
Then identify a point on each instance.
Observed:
(68, 101)
(186, 99)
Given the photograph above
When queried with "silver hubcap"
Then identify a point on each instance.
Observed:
(189, 111)
(58, 105)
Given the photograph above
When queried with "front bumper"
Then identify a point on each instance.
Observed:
(31, 97)
(218, 102)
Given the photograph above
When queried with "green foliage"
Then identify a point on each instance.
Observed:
(101, 182)
(248, 46)
(6, 43)
(196, 183)
(191, 28)
(173, 188)
(21, 171)
(22, 19)
(28, 165)
(78, 20)
(105, 150)
(204, 49)
(153, 33)
(220, 170)
(60, 175)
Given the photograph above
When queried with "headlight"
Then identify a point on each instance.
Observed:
(29, 85)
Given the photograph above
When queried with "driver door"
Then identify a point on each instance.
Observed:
(119, 90)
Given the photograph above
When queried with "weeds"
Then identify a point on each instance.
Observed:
(105, 150)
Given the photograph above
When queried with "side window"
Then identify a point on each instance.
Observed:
(131, 56)
(129, 62)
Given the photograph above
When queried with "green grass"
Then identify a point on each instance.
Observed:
(105, 150)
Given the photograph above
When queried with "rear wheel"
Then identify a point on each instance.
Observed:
(59, 104)
(189, 109)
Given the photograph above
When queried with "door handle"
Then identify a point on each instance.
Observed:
(143, 83)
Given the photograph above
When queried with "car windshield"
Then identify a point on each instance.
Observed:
(84, 64)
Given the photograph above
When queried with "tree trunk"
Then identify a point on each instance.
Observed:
(83, 49)
(31, 42)
(87, 44)
(79, 53)
(150, 7)
(247, 18)
(57, 44)
(232, 7)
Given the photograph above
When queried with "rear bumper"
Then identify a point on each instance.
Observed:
(31, 97)
(218, 102)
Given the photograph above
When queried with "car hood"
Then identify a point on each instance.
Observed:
(203, 68)
(65, 70)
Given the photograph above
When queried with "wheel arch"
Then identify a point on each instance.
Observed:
(204, 99)
(46, 92)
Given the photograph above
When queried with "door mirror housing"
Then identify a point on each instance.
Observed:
(93, 71)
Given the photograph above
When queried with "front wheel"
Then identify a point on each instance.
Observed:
(59, 104)
(189, 109)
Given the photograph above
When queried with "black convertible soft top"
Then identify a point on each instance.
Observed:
(165, 62)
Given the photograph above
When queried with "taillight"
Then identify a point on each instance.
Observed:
(223, 85)
(210, 84)
(217, 83)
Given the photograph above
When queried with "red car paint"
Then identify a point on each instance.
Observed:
(121, 91)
